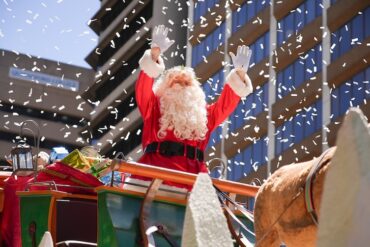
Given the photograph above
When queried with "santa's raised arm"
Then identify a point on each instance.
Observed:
(177, 120)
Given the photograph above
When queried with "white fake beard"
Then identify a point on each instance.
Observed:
(183, 110)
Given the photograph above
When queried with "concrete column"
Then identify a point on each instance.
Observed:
(190, 24)
(227, 62)
(272, 90)
(167, 13)
(325, 62)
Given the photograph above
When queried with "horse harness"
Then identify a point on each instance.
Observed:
(308, 193)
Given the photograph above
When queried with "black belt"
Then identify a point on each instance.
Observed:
(168, 148)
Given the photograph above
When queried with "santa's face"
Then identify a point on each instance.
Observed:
(182, 105)
(182, 79)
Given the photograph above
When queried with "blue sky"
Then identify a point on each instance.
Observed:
(52, 29)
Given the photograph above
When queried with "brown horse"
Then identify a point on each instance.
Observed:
(280, 212)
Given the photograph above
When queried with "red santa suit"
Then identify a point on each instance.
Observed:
(149, 106)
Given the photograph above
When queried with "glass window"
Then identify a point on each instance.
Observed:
(358, 92)
(266, 44)
(261, 5)
(299, 72)
(242, 17)
(257, 152)
(300, 126)
(240, 113)
(250, 7)
(352, 93)
(344, 39)
(202, 7)
(297, 19)
(318, 115)
(208, 45)
(248, 160)
(304, 68)
(310, 10)
(278, 140)
(210, 4)
(344, 97)
(288, 78)
(259, 49)
(309, 127)
(239, 167)
(310, 67)
(280, 34)
(215, 137)
(202, 10)
(334, 103)
(252, 106)
(289, 28)
(367, 79)
(258, 101)
(233, 165)
(298, 130)
(287, 132)
(367, 22)
(334, 49)
(358, 28)
(246, 12)
(234, 25)
(350, 34)
(250, 203)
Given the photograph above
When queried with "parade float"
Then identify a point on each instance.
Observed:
(70, 200)
(86, 200)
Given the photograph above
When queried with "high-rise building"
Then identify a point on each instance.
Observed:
(47, 92)
(310, 63)
(124, 28)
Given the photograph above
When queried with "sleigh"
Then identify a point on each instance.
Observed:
(78, 211)
(139, 214)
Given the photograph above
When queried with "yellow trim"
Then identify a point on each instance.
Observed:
(55, 173)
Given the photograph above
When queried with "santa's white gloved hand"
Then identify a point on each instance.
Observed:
(160, 39)
(242, 58)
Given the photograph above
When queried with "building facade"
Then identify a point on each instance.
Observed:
(47, 92)
(124, 29)
(310, 63)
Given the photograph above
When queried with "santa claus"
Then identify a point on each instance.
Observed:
(177, 120)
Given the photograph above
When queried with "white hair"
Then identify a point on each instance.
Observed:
(183, 109)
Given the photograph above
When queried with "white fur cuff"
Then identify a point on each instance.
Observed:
(241, 88)
(150, 67)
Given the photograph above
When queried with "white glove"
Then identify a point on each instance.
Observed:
(242, 58)
(160, 39)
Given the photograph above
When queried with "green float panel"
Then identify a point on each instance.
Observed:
(118, 219)
(34, 209)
